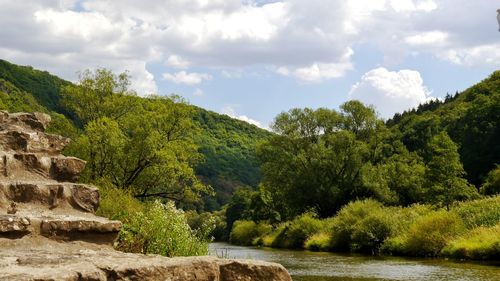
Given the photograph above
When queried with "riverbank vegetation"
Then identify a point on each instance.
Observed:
(468, 230)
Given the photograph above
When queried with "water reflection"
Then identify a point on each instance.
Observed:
(311, 266)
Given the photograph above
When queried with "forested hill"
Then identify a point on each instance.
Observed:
(227, 144)
(471, 118)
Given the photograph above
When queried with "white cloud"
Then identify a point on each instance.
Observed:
(427, 38)
(390, 91)
(303, 39)
(183, 77)
(229, 111)
(177, 62)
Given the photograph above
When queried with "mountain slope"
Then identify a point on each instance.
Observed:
(471, 118)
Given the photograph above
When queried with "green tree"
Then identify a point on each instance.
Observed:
(444, 174)
(492, 184)
(99, 93)
(316, 159)
(140, 144)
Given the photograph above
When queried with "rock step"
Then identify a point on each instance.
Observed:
(40, 165)
(60, 227)
(50, 195)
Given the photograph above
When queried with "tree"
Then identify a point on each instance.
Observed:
(492, 184)
(444, 173)
(140, 144)
(316, 159)
(99, 93)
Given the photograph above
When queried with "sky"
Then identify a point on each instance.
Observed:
(252, 59)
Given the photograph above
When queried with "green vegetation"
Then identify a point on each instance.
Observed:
(369, 227)
(324, 179)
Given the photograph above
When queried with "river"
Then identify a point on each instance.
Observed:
(313, 266)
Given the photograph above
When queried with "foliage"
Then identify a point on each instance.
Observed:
(296, 232)
(318, 242)
(491, 185)
(361, 226)
(316, 158)
(117, 204)
(245, 232)
(471, 119)
(41, 85)
(483, 212)
(143, 145)
(228, 146)
(444, 182)
(197, 222)
(429, 234)
(482, 243)
(163, 230)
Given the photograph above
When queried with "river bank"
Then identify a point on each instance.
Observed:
(469, 230)
(322, 266)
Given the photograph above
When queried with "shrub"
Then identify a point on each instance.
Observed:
(198, 223)
(297, 231)
(117, 204)
(245, 232)
(318, 242)
(483, 212)
(163, 230)
(270, 239)
(360, 225)
(395, 245)
(429, 234)
(482, 243)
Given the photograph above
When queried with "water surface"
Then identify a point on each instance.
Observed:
(313, 266)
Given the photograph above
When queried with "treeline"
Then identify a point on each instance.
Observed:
(321, 161)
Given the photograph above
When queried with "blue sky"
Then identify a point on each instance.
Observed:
(254, 59)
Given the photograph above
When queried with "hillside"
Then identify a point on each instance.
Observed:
(471, 118)
(227, 144)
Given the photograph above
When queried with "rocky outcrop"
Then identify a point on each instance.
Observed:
(48, 229)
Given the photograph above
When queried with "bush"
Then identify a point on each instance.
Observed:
(270, 239)
(483, 212)
(163, 230)
(198, 222)
(318, 242)
(361, 225)
(117, 204)
(297, 231)
(245, 232)
(482, 243)
(429, 234)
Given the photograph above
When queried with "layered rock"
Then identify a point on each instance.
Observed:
(48, 229)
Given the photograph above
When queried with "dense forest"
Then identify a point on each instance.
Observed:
(323, 179)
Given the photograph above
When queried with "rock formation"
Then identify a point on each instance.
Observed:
(48, 229)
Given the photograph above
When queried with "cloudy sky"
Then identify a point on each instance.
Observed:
(252, 59)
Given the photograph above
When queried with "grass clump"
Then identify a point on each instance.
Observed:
(296, 232)
(483, 212)
(431, 233)
(318, 242)
(245, 232)
(482, 243)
